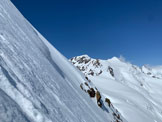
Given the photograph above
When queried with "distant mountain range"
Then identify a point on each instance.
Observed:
(134, 91)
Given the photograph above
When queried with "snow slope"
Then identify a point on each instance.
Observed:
(37, 83)
(135, 92)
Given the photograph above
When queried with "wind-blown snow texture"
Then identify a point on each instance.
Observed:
(136, 92)
(37, 84)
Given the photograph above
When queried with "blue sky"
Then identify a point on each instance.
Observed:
(100, 28)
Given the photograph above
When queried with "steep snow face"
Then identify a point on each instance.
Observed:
(134, 91)
(37, 84)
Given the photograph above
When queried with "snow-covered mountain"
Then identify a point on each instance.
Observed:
(136, 92)
(37, 83)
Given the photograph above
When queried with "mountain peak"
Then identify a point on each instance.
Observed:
(84, 56)
(114, 59)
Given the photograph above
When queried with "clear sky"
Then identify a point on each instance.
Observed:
(100, 28)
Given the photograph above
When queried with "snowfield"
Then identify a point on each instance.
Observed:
(135, 92)
(37, 83)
